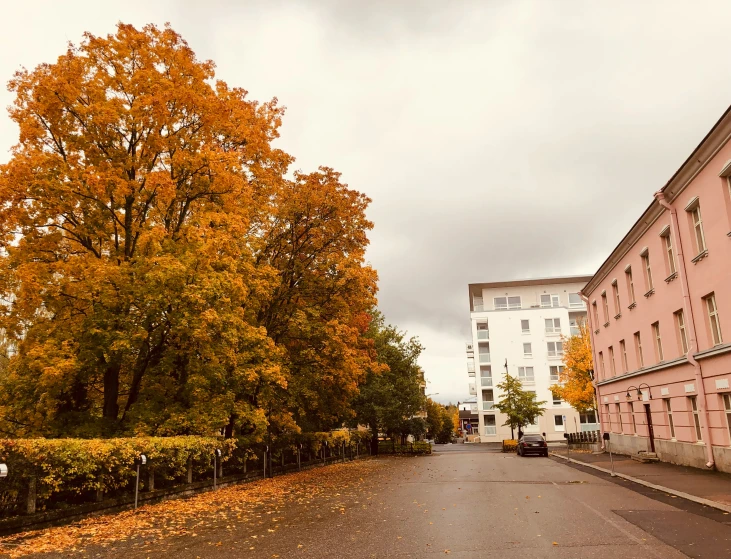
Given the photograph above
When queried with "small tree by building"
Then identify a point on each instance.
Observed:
(519, 405)
(575, 381)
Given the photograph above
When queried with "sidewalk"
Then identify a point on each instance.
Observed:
(706, 487)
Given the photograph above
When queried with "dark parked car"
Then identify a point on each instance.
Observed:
(532, 444)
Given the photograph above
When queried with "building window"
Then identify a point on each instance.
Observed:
(609, 416)
(525, 326)
(558, 423)
(727, 410)
(632, 414)
(486, 375)
(638, 348)
(713, 319)
(550, 301)
(612, 367)
(525, 374)
(617, 304)
(574, 327)
(596, 315)
(630, 285)
(648, 271)
(623, 351)
(658, 341)
(555, 371)
(601, 365)
(527, 350)
(694, 211)
(556, 399)
(555, 349)
(587, 418)
(682, 334)
(669, 253)
(619, 416)
(669, 411)
(696, 419)
(503, 303)
(575, 300)
(490, 427)
(553, 325)
(605, 308)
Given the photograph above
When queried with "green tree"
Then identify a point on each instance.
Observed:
(519, 405)
(391, 394)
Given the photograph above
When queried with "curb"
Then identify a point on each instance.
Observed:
(681, 494)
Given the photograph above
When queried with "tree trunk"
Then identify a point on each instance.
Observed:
(111, 390)
(374, 442)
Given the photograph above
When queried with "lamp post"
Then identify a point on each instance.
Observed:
(3, 470)
(141, 461)
(216, 458)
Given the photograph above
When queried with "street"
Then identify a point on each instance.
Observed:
(465, 501)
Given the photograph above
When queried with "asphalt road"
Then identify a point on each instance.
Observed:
(464, 503)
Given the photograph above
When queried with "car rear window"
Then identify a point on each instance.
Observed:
(533, 438)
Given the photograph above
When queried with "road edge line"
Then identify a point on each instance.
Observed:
(681, 494)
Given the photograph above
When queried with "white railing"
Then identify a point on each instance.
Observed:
(555, 354)
(487, 406)
(470, 366)
(486, 381)
(553, 330)
(554, 378)
(484, 357)
(490, 430)
(483, 334)
(525, 379)
(477, 304)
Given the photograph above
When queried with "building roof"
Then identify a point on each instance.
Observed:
(476, 288)
(708, 147)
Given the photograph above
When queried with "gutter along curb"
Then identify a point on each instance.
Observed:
(681, 494)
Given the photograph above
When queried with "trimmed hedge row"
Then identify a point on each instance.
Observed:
(419, 447)
(56, 473)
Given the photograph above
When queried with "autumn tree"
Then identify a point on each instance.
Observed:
(520, 406)
(392, 391)
(575, 381)
(163, 272)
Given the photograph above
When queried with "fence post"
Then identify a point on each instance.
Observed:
(245, 463)
(31, 503)
(150, 479)
(190, 469)
(299, 464)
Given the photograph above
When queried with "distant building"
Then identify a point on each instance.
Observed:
(661, 317)
(522, 322)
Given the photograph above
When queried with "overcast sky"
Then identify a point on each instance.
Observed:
(498, 140)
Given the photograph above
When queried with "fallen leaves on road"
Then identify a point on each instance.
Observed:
(182, 517)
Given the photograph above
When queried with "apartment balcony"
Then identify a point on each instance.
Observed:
(487, 406)
(490, 430)
(470, 366)
(477, 304)
(483, 335)
(486, 381)
(484, 358)
(473, 389)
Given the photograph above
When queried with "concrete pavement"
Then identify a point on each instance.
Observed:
(464, 503)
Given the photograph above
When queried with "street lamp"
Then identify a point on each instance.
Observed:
(3, 470)
(141, 461)
(639, 391)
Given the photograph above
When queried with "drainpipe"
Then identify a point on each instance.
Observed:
(692, 342)
(593, 382)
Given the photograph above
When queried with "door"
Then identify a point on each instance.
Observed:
(649, 427)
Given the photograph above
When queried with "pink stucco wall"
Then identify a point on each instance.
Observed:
(711, 274)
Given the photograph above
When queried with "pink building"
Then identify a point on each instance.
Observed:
(660, 317)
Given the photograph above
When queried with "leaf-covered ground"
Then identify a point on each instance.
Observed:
(246, 514)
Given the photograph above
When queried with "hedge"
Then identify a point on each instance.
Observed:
(389, 447)
(63, 472)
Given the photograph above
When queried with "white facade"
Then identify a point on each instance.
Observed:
(523, 322)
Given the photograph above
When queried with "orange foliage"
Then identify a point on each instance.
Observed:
(575, 384)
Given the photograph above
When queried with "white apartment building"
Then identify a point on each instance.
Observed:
(522, 322)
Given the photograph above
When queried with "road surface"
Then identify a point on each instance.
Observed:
(464, 502)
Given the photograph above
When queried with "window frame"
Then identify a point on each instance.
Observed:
(623, 350)
(714, 321)
(630, 285)
(682, 331)
(559, 370)
(557, 353)
(726, 402)
(612, 366)
(619, 416)
(605, 307)
(602, 368)
(696, 418)
(553, 326)
(576, 305)
(529, 353)
(669, 413)
(524, 377)
(524, 330)
(617, 301)
(669, 252)
(696, 221)
(558, 427)
(648, 271)
(658, 341)
(632, 415)
(638, 350)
